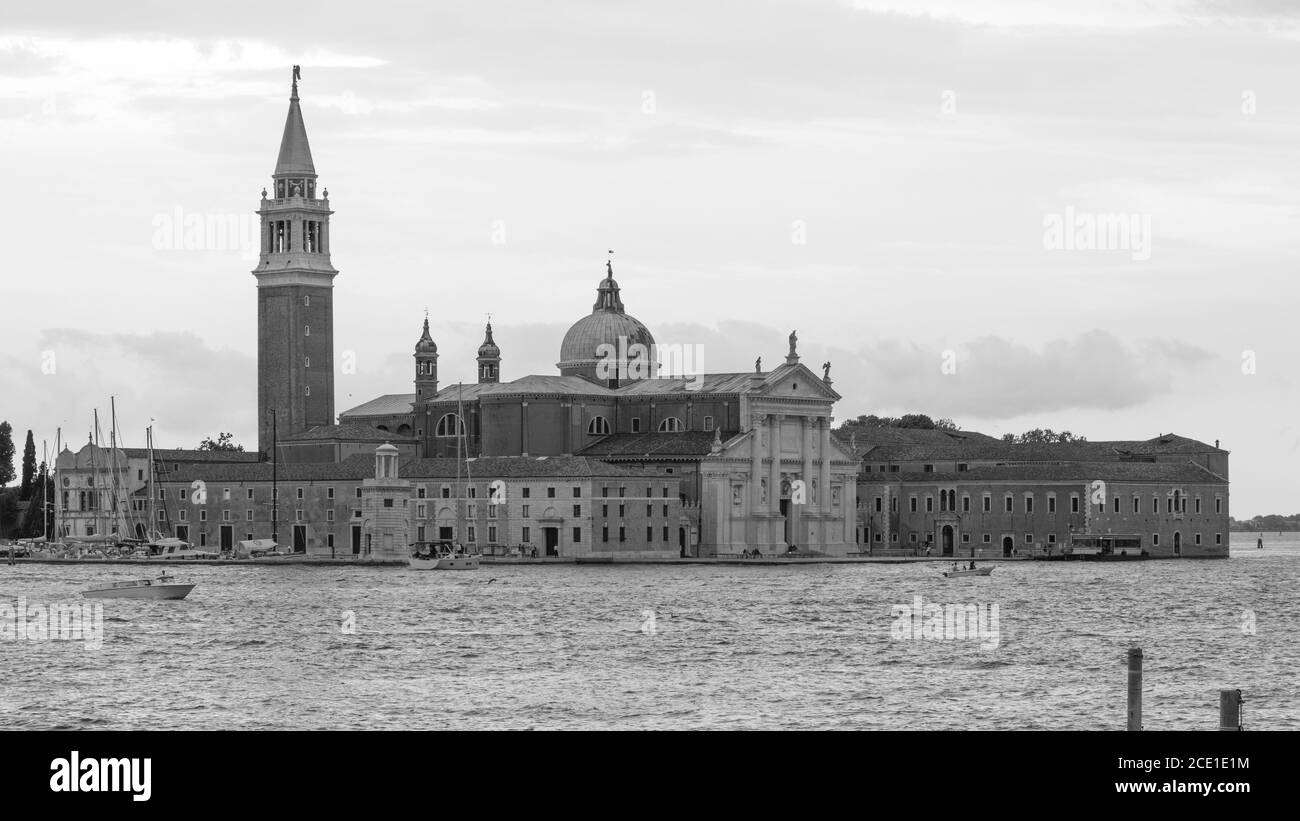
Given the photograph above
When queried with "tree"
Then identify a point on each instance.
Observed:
(6, 453)
(223, 442)
(32, 517)
(1041, 436)
(29, 467)
(915, 421)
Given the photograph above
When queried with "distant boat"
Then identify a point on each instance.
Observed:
(967, 571)
(173, 548)
(443, 556)
(160, 588)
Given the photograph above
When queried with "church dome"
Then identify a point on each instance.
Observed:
(607, 324)
(489, 348)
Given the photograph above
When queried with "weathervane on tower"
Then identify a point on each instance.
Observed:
(609, 264)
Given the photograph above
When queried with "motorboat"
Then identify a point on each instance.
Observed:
(443, 556)
(162, 588)
(968, 570)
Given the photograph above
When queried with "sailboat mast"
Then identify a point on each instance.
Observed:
(151, 525)
(460, 427)
(95, 497)
(58, 494)
(45, 483)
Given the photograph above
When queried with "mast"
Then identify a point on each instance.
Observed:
(58, 494)
(45, 481)
(460, 434)
(151, 527)
(94, 474)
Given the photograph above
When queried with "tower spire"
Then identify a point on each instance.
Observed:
(295, 151)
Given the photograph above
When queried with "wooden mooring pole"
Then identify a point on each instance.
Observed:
(1230, 702)
(1135, 688)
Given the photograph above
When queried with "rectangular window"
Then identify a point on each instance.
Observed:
(1029, 537)
(636, 426)
(1218, 538)
(1198, 538)
(965, 504)
(1051, 538)
(329, 493)
(1155, 504)
(492, 511)
(577, 493)
(577, 535)
(180, 494)
(387, 503)
(1155, 539)
(649, 533)
(577, 510)
(421, 512)
(879, 504)
(988, 504)
(965, 538)
(329, 540)
(1116, 505)
(929, 504)
(471, 492)
(527, 492)
(622, 511)
(184, 515)
(622, 491)
(446, 492)
(604, 533)
(649, 511)
(526, 538)
(225, 515)
(358, 493)
(1137, 505)
(1218, 504)
(962, 467)
(225, 494)
(329, 515)
(604, 492)
(1074, 504)
(708, 423)
(492, 534)
(203, 539)
(299, 493)
(1006, 504)
(524, 511)
(622, 533)
(248, 515)
(550, 493)
(203, 515)
(927, 468)
(912, 503)
(665, 511)
(604, 511)
(1198, 504)
(298, 514)
(987, 539)
(1029, 504)
(912, 537)
(471, 537)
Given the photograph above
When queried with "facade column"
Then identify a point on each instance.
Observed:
(807, 513)
(776, 527)
(824, 479)
(755, 478)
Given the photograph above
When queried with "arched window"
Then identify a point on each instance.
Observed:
(403, 430)
(670, 425)
(306, 330)
(598, 426)
(306, 301)
(307, 390)
(306, 361)
(449, 425)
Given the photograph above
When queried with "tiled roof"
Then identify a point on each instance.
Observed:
(509, 467)
(992, 449)
(362, 466)
(390, 404)
(100, 457)
(357, 467)
(632, 445)
(348, 431)
(1170, 472)
(533, 383)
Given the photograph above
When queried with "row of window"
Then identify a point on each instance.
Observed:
(183, 494)
(1029, 538)
(1177, 503)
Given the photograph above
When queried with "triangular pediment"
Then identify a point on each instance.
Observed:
(796, 381)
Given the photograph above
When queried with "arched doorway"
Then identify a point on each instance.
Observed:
(946, 537)
(1007, 546)
(1178, 543)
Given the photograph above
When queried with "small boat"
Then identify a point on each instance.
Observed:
(160, 588)
(969, 571)
(444, 556)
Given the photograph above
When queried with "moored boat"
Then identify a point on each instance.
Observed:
(444, 556)
(161, 588)
(972, 570)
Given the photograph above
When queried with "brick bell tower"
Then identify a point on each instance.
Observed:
(295, 293)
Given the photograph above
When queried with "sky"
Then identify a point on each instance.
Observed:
(1014, 214)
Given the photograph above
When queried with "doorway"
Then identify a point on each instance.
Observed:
(681, 540)
(1178, 543)
(1007, 546)
(356, 540)
(446, 534)
(183, 532)
(946, 538)
(785, 521)
(552, 536)
(227, 538)
(300, 538)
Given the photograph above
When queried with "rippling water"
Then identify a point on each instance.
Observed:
(569, 647)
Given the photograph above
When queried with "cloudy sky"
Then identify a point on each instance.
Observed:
(907, 184)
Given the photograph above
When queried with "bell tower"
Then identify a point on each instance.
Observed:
(489, 359)
(295, 292)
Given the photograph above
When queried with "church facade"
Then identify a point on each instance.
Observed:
(647, 463)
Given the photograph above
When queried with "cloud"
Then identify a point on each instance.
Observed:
(190, 389)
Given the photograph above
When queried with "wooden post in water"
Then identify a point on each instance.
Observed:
(1135, 688)
(1230, 710)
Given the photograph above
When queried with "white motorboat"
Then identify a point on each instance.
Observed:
(445, 557)
(160, 588)
(963, 570)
